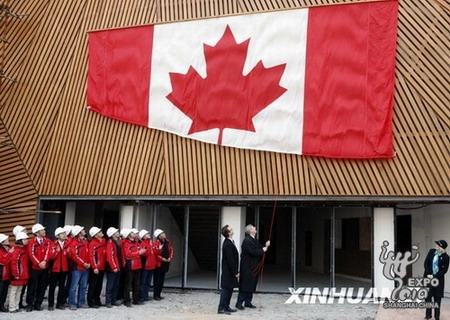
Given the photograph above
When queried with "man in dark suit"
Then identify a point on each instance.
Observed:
(436, 266)
(230, 272)
(251, 255)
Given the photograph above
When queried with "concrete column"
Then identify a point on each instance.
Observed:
(69, 218)
(126, 216)
(383, 230)
(144, 217)
(235, 218)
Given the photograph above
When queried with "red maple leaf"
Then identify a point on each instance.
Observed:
(225, 98)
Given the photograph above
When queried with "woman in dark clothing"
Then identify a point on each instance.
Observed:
(436, 266)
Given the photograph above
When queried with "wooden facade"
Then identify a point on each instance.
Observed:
(57, 147)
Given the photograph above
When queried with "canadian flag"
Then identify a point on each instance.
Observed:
(317, 81)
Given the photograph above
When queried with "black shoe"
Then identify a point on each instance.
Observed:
(157, 298)
(127, 304)
(38, 308)
(93, 306)
(223, 312)
(116, 303)
(3, 309)
(249, 305)
(51, 308)
(230, 310)
(109, 305)
(60, 307)
(240, 307)
(138, 303)
(29, 309)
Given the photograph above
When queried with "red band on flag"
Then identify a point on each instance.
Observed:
(119, 73)
(349, 81)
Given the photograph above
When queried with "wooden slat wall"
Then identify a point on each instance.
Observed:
(16, 189)
(68, 150)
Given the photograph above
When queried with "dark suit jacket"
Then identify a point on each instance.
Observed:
(443, 267)
(230, 264)
(251, 255)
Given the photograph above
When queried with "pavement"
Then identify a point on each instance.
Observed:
(202, 305)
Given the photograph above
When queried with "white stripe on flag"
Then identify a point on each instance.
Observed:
(275, 38)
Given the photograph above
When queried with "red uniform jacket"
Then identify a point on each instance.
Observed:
(97, 255)
(79, 253)
(112, 256)
(69, 239)
(157, 252)
(122, 241)
(39, 252)
(131, 255)
(60, 257)
(5, 260)
(149, 259)
(19, 267)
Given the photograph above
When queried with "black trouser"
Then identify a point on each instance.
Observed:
(225, 298)
(3, 293)
(57, 279)
(22, 293)
(121, 285)
(437, 311)
(95, 288)
(244, 296)
(158, 282)
(36, 287)
(132, 282)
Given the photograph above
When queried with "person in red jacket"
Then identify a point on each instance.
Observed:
(132, 253)
(122, 239)
(5, 258)
(113, 267)
(59, 269)
(148, 264)
(97, 259)
(68, 229)
(19, 271)
(164, 254)
(15, 231)
(39, 254)
(79, 253)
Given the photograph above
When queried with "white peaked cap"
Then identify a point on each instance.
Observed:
(67, 229)
(111, 231)
(142, 233)
(21, 235)
(3, 237)
(18, 229)
(37, 227)
(158, 232)
(76, 230)
(59, 230)
(125, 232)
(94, 230)
(134, 230)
